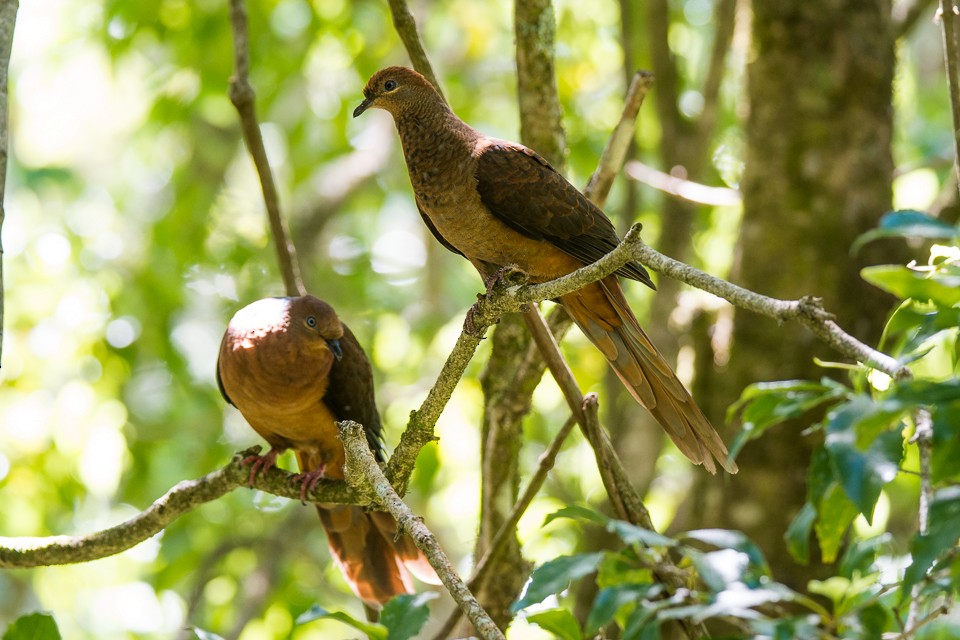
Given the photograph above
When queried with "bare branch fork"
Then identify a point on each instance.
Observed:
(505, 297)
(363, 472)
(243, 98)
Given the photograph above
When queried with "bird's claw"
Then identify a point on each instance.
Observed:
(260, 464)
(506, 276)
(309, 481)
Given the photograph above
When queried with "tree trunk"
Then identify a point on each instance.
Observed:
(818, 173)
(515, 367)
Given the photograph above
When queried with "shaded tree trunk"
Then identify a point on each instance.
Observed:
(818, 173)
(515, 367)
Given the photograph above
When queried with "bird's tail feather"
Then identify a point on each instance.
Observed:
(603, 314)
(375, 560)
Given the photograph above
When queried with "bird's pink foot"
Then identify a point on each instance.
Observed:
(261, 464)
(309, 481)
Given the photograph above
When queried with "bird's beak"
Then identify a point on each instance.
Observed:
(335, 348)
(363, 106)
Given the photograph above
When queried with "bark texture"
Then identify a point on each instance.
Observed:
(515, 367)
(818, 173)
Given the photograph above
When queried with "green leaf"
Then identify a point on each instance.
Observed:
(944, 529)
(860, 556)
(33, 626)
(926, 392)
(820, 476)
(946, 442)
(611, 599)
(642, 625)
(862, 473)
(560, 622)
(719, 569)
(578, 512)
(797, 536)
(554, 576)
(374, 631)
(405, 615)
(914, 323)
(835, 512)
(730, 539)
(766, 404)
(740, 602)
(907, 223)
(874, 619)
(940, 287)
(632, 534)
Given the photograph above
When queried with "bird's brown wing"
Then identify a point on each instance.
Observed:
(223, 392)
(350, 394)
(436, 234)
(526, 193)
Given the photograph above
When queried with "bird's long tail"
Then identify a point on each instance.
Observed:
(376, 562)
(602, 312)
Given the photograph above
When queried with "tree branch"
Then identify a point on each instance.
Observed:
(26, 552)
(616, 150)
(8, 20)
(950, 22)
(507, 529)
(406, 28)
(724, 21)
(681, 188)
(365, 475)
(924, 438)
(505, 297)
(540, 121)
(625, 500)
(243, 98)
(905, 16)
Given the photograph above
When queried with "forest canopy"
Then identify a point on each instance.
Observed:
(800, 151)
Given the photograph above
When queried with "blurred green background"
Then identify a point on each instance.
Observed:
(135, 228)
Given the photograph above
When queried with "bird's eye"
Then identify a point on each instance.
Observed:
(311, 321)
(390, 85)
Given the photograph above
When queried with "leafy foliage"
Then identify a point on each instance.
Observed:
(134, 229)
(34, 626)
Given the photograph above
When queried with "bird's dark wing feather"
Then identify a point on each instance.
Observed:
(223, 392)
(350, 394)
(436, 234)
(525, 192)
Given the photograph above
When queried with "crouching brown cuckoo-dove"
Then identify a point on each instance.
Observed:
(498, 203)
(293, 370)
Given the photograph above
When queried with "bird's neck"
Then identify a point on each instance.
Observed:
(433, 124)
(436, 146)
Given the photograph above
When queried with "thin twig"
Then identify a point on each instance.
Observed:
(923, 436)
(681, 187)
(26, 552)
(8, 20)
(616, 150)
(905, 16)
(365, 475)
(506, 530)
(624, 498)
(724, 25)
(406, 28)
(244, 99)
(950, 22)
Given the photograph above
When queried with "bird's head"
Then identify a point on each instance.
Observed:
(316, 320)
(397, 90)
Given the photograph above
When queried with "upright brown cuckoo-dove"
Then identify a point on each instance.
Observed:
(498, 203)
(293, 370)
